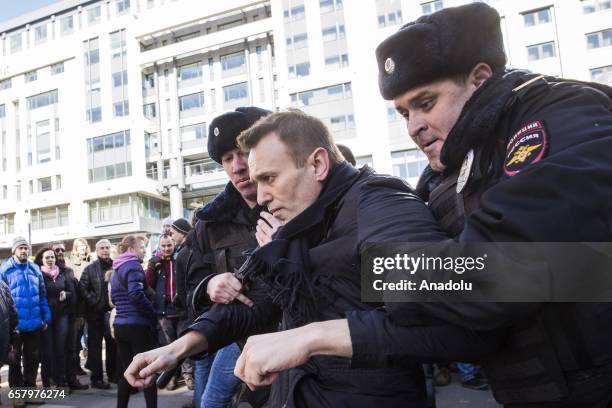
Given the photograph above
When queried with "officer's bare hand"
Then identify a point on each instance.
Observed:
(266, 229)
(224, 288)
(141, 372)
(266, 355)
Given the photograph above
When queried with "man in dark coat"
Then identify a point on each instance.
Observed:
(309, 272)
(217, 245)
(75, 310)
(93, 287)
(498, 143)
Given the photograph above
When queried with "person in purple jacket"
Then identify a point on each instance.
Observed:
(135, 319)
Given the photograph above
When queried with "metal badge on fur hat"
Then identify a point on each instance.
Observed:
(443, 44)
(224, 130)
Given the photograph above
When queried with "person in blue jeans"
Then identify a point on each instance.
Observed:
(216, 383)
(471, 377)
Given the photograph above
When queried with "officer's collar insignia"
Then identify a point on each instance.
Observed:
(389, 66)
(526, 147)
(466, 169)
(216, 131)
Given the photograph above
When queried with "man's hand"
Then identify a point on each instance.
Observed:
(141, 371)
(266, 229)
(62, 296)
(266, 355)
(224, 288)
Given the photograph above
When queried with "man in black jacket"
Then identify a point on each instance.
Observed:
(8, 325)
(310, 271)
(216, 246)
(76, 306)
(498, 143)
(93, 287)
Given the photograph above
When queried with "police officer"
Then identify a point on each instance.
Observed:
(446, 75)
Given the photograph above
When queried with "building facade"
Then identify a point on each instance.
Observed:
(105, 104)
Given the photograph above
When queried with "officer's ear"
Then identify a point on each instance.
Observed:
(480, 73)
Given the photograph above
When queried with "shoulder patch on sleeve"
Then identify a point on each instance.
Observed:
(527, 146)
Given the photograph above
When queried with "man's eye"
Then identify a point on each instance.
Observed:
(427, 104)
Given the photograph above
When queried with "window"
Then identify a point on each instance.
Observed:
(330, 5)
(602, 75)
(408, 164)
(235, 92)
(4, 193)
(149, 110)
(193, 136)
(296, 13)
(40, 34)
(123, 6)
(57, 68)
(43, 142)
(66, 24)
(300, 41)
(148, 81)
(302, 69)
(192, 101)
(15, 43)
(58, 181)
(228, 25)
(537, 17)
(232, 61)
(7, 223)
(541, 51)
(2, 111)
(94, 113)
(30, 76)
(121, 108)
(93, 15)
(152, 208)
(591, 6)
(364, 161)
(191, 71)
(5, 84)
(336, 61)
(599, 39)
(109, 156)
(51, 217)
(432, 6)
(44, 184)
(110, 209)
(42, 100)
(92, 52)
(120, 78)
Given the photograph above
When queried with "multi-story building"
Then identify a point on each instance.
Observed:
(104, 104)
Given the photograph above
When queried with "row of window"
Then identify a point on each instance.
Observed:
(66, 25)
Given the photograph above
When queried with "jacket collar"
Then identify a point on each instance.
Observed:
(228, 205)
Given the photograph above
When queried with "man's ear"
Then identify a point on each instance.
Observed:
(480, 73)
(319, 159)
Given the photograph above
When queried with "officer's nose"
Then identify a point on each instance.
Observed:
(416, 125)
(238, 164)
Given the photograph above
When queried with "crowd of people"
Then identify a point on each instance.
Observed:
(259, 298)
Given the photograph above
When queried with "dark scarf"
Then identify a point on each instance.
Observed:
(479, 116)
(283, 265)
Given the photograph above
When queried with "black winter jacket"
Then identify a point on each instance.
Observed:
(8, 321)
(94, 289)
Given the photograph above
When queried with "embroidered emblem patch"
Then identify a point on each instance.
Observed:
(216, 131)
(526, 147)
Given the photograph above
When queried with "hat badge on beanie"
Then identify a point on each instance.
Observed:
(216, 131)
(389, 65)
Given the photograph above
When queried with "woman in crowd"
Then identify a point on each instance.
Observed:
(55, 339)
(134, 324)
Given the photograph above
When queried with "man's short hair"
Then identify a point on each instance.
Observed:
(300, 133)
(347, 153)
(103, 241)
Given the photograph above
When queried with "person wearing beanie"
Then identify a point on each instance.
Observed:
(518, 157)
(224, 230)
(27, 287)
(93, 287)
(501, 140)
(178, 231)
